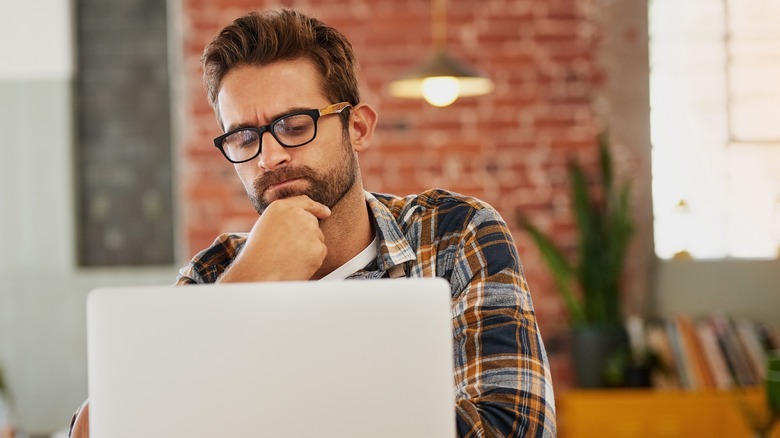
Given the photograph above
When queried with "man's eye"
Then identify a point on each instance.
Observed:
(294, 126)
(241, 139)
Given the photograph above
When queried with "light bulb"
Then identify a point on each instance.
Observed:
(440, 90)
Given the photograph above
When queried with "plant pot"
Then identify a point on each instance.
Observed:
(592, 349)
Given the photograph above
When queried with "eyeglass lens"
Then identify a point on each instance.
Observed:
(291, 131)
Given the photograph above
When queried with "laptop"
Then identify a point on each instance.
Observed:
(293, 359)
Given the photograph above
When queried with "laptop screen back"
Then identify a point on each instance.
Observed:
(325, 359)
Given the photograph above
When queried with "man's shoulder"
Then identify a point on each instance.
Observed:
(449, 210)
(431, 199)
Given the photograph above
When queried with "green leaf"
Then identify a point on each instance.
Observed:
(562, 271)
(602, 213)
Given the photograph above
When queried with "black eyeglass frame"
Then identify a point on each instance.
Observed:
(315, 114)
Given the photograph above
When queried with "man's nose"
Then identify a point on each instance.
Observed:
(273, 155)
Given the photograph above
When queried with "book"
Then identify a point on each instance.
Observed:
(721, 374)
(665, 376)
(751, 344)
(733, 349)
(698, 368)
(680, 360)
(770, 333)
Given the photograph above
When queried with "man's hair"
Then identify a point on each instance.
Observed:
(261, 38)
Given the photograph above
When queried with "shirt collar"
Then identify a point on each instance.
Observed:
(394, 249)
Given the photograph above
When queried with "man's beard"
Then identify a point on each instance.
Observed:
(327, 189)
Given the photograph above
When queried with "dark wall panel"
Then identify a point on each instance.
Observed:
(123, 143)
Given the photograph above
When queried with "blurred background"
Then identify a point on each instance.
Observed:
(108, 175)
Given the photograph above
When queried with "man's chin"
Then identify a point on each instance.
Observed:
(282, 193)
(269, 196)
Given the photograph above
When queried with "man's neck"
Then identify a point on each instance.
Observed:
(347, 231)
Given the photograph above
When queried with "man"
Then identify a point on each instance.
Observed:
(284, 90)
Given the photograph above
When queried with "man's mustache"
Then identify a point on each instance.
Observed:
(262, 183)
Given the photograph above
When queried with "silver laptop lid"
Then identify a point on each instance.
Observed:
(326, 359)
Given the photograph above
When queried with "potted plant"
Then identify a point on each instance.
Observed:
(590, 284)
(5, 420)
(764, 417)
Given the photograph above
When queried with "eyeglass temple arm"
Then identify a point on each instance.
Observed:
(335, 108)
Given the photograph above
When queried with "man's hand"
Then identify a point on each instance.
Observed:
(285, 243)
(81, 423)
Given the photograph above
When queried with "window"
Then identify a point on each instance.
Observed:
(715, 125)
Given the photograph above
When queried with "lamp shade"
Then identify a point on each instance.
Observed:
(440, 79)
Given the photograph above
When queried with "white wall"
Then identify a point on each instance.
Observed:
(744, 288)
(43, 339)
(42, 292)
(37, 37)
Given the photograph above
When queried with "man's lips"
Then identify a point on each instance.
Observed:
(280, 180)
(283, 183)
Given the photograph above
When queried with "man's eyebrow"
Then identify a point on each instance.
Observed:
(235, 126)
(277, 116)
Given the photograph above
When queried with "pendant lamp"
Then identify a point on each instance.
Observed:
(440, 79)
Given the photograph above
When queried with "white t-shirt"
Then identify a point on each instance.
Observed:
(355, 264)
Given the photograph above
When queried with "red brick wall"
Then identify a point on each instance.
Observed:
(508, 148)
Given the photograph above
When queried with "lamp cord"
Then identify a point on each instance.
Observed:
(439, 24)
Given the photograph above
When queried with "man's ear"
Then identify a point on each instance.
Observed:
(362, 123)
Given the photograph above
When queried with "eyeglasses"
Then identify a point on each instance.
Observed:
(291, 130)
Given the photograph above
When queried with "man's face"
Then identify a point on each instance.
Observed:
(325, 169)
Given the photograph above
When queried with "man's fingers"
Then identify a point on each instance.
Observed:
(320, 211)
(81, 423)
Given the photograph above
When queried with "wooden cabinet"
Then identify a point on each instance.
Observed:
(657, 413)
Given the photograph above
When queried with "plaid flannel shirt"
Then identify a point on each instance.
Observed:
(502, 378)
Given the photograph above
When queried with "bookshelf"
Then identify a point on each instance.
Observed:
(715, 351)
(711, 379)
(652, 413)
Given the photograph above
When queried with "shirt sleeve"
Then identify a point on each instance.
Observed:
(209, 264)
(502, 375)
